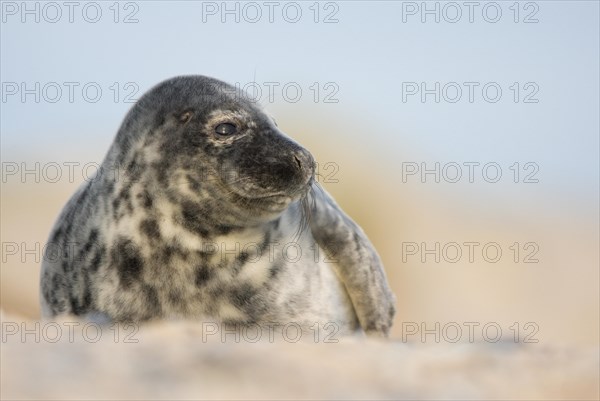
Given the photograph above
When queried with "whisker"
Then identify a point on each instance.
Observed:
(307, 202)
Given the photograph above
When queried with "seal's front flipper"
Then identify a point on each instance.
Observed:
(356, 262)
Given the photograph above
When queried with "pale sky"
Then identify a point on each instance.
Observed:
(376, 54)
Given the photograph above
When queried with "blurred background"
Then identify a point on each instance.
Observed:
(463, 139)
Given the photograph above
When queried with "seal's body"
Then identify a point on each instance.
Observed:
(199, 211)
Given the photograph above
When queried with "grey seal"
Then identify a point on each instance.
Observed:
(204, 209)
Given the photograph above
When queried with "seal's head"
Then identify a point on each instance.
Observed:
(206, 146)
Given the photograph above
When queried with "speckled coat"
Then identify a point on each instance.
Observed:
(203, 209)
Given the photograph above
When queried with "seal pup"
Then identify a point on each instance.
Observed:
(204, 209)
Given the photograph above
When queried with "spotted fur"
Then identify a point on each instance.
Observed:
(183, 222)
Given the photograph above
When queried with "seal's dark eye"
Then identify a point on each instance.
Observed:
(225, 129)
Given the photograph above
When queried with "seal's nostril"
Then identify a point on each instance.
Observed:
(298, 162)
